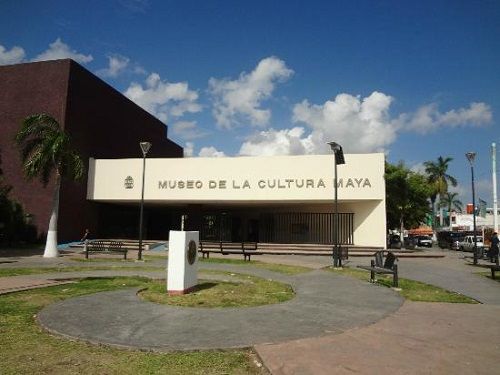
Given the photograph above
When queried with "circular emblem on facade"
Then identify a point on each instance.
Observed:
(129, 182)
(191, 253)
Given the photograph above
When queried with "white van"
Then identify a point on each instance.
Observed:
(468, 243)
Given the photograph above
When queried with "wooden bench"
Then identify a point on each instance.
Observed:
(378, 265)
(493, 269)
(104, 247)
(492, 256)
(340, 254)
(247, 249)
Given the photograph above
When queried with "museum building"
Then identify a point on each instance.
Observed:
(275, 199)
(280, 199)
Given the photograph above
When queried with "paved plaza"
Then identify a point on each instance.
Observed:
(334, 325)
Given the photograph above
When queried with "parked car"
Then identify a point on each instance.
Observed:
(410, 242)
(394, 241)
(455, 244)
(447, 239)
(468, 243)
(425, 241)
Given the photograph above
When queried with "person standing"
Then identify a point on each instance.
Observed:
(493, 253)
(85, 236)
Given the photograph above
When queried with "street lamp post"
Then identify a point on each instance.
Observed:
(145, 146)
(470, 157)
(338, 159)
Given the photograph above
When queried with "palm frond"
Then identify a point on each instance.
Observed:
(77, 169)
(39, 125)
(46, 148)
(452, 180)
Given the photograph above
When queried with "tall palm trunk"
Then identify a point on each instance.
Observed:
(433, 218)
(401, 229)
(441, 212)
(51, 244)
(449, 217)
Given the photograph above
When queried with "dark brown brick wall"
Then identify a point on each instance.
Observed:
(26, 89)
(102, 123)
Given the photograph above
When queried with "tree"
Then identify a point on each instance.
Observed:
(450, 201)
(439, 179)
(14, 226)
(46, 149)
(407, 196)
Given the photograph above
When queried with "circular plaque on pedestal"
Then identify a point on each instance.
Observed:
(191, 253)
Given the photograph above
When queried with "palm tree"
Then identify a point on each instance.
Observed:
(46, 149)
(439, 179)
(450, 201)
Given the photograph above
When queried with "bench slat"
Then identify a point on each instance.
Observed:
(377, 269)
(100, 247)
(247, 249)
(377, 266)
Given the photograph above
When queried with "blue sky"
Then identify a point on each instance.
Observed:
(413, 79)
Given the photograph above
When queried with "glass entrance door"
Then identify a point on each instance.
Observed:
(216, 227)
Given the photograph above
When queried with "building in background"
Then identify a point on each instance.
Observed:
(464, 221)
(101, 121)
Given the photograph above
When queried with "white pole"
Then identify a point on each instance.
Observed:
(494, 176)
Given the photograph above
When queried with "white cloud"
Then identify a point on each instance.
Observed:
(428, 118)
(358, 124)
(241, 99)
(164, 99)
(277, 142)
(419, 168)
(60, 50)
(139, 70)
(211, 152)
(207, 152)
(189, 150)
(116, 65)
(14, 56)
(187, 130)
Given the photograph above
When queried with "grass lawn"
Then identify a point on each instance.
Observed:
(105, 259)
(32, 271)
(227, 290)
(281, 268)
(410, 289)
(28, 350)
(488, 275)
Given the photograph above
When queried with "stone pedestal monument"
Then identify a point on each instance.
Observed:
(182, 262)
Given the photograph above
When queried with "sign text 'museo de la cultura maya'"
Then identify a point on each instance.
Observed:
(266, 183)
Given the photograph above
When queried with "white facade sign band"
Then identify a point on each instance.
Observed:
(283, 178)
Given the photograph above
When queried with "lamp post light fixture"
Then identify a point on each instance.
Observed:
(470, 157)
(338, 159)
(145, 146)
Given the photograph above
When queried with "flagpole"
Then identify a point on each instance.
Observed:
(494, 177)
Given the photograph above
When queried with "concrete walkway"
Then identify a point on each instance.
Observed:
(319, 308)
(344, 328)
(420, 338)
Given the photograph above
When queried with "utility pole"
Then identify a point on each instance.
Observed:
(471, 156)
(494, 177)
